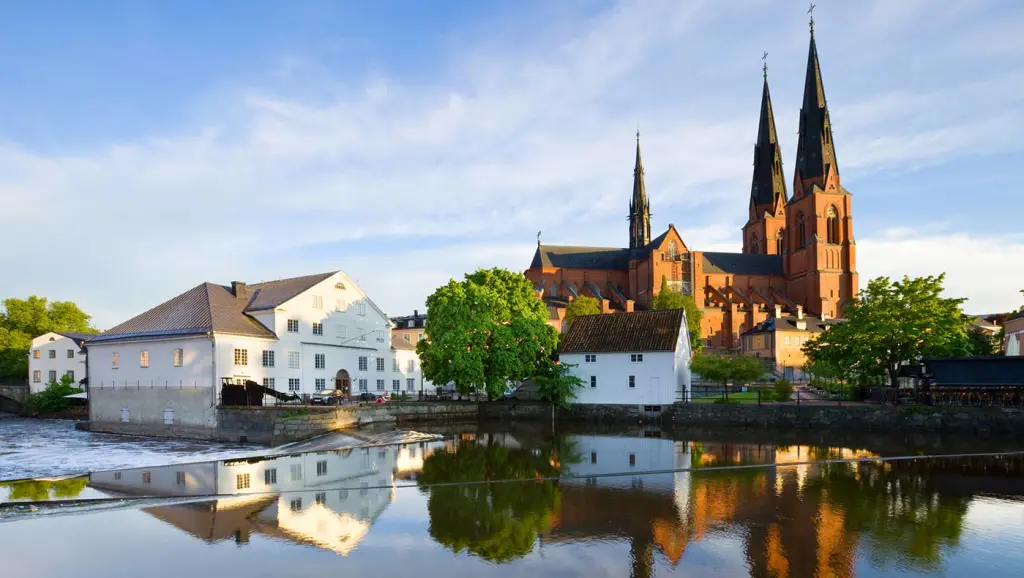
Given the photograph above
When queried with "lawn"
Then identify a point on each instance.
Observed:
(738, 397)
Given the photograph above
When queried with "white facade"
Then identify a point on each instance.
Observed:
(635, 377)
(52, 357)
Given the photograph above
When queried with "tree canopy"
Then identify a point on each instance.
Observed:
(669, 299)
(582, 305)
(486, 332)
(556, 383)
(726, 368)
(890, 323)
(23, 319)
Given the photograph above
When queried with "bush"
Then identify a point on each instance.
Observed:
(51, 399)
(783, 390)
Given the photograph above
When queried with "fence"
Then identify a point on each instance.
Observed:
(766, 393)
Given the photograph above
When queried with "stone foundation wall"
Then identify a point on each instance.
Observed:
(600, 413)
(193, 411)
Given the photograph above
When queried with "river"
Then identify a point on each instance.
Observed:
(522, 501)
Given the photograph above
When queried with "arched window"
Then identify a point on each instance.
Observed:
(801, 231)
(832, 225)
(753, 243)
(673, 250)
(780, 242)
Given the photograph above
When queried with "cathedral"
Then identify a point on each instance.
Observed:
(798, 261)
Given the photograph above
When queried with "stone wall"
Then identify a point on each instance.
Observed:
(13, 397)
(907, 419)
(193, 411)
(601, 413)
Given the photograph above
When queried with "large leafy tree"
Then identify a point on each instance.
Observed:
(726, 368)
(582, 305)
(486, 332)
(981, 342)
(669, 299)
(556, 383)
(890, 323)
(23, 319)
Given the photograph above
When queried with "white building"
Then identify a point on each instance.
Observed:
(298, 335)
(638, 358)
(54, 355)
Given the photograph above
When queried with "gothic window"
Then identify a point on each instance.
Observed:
(780, 242)
(801, 231)
(832, 225)
(673, 250)
(753, 243)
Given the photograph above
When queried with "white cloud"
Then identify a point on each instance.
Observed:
(314, 171)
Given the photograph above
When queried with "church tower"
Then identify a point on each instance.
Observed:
(764, 232)
(639, 210)
(820, 258)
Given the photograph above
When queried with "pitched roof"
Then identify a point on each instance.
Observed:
(570, 257)
(622, 332)
(743, 263)
(398, 342)
(78, 338)
(788, 323)
(270, 294)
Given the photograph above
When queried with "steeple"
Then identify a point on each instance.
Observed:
(639, 210)
(768, 183)
(815, 157)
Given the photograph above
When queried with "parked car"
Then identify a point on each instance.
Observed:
(327, 397)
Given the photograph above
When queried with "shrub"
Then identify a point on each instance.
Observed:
(783, 390)
(51, 399)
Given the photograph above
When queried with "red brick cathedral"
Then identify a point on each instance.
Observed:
(798, 256)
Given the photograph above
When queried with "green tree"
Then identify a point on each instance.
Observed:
(888, 324)
(52, 399)
(582, 305)
(669, 299)
(727, 368)
(556, 383)
(23, 319)
(981, 342)
(486, 332)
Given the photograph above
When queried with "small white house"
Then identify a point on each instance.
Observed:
(637, 358)
(54, 355)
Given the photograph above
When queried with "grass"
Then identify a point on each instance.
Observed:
(738, 397)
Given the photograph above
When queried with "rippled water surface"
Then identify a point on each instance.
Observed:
(535, 504)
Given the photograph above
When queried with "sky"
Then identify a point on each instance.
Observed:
(149, 146)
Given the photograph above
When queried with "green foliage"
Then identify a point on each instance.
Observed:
(556, 383)
(726, 368)
(485, 332)
(669, 299)
(582, 305)
(51, 399)
(727, 401)
(782, 390)
(298, 412)
(981, 342)
(43, 490)
(889, 323)
(23, 319)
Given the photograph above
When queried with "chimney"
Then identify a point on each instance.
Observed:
(238, 289)
(799, 311)
(778, 311)
(630, 305)
(415, 313)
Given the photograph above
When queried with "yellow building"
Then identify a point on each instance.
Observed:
(780, 340)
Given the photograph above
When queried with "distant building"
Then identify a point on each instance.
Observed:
(638, 358)
(1013, 329)
(780, 339)
(54, 355)
(410, 328)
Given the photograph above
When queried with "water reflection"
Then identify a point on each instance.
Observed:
(789, 513)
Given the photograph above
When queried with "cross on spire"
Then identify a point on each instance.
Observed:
(811, 12)
(764, 65)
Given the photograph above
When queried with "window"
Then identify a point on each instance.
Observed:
(147, 477)
(593, 457)
(380, 335)
(673, 250)
(395, 365)
(179, 478)
(419, 337)
(361, 309)
(832, 226)
(320, 498)
(380, 385)
(241, 357)
(593, 381)
(364, 488)
(37, 376)
(343, 495)
(293, 325)
(321, 468)
(632, 381)
(320, 384)
(114, 360)
(179, 356)
(590, 358)
(786, 340)
(363, 363)
(319, 360)
(636, 358)
(780, 244)
(35, 354)
(801, 231)
(318, 302)
(318, 329)
(296, 472)
(268, 358)
(362, 385)
(71, 354)
(295, 505)
(71, 375)
(632, 460)
(753, 243)
(293, 360)
(268, 382)
(52, 376)
(396, 385)
(339, 305)
(293, 384)
(117, 475)
(410, 384)
(52, 353)
(411, 366)
(406, 337)
(270, 476)
(342, 332)
(380, 364)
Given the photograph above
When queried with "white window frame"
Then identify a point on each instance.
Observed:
(363, 363)
(294, 384)
(52, 375)
(293, 326)
(320, 361)
(632, 381)
(339, 305)
(590, 358)
(71, 354)
(395, 364)
(268, 358)
(593, 381)
(294, 360)
(361, 309)
(411, 365)
(396, 385)
(241, 357)
(268, 382)
(37, 376)
(320, 384)
(318, 302)
(380, 364)
(381, 385)
(318, 328)
(636, 357)
(410, 384)
(342, 332)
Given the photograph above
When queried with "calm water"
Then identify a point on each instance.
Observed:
(530, 504)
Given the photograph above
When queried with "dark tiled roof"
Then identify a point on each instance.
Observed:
(417, 319)
(270, 294)
(568, 257)
(623, 332)
(788, 323)
(398, 342)
(78, 338)
(743, 263)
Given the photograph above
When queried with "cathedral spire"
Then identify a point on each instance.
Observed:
(768, 183)
(815, 157)
(639, 210)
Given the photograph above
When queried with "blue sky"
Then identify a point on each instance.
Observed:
(146, 147)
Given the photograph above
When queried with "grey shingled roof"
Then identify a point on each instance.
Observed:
(209, 307)
(78, 338)
(743, 263)
(624, 332)
(570, 257)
